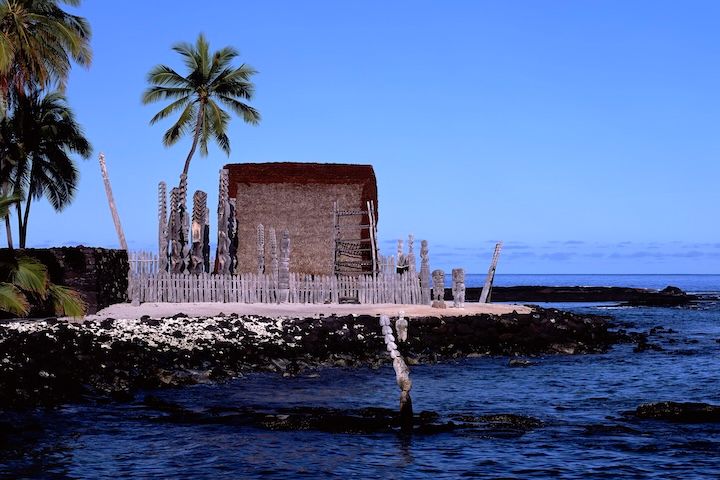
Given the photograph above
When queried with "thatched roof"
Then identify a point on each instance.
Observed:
(304, 174)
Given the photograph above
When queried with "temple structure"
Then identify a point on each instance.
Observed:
(300, 198)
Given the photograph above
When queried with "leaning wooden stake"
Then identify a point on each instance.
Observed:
(402, 372)
(487, 288)
(111, 202)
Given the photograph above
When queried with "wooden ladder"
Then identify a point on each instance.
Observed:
(355, 251)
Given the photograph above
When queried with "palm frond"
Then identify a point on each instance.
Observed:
(221, 59)
(234, 88)
(243, 72)
(163, 75)
(249, 114)
(12, 300)
(182, 126)
(6, 201)
(156, 93)
(55, 177)
(73, 33)
(187, 51)
(66, 301)
(168, 110)
(31, 276)
(204, 132)
(202, 55)
(223, 141)
(217, 122)
(7, 54)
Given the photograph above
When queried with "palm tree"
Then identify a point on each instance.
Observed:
(38, 43)
(24, 279)
(210, 80)
(45, 134)
(7, 165)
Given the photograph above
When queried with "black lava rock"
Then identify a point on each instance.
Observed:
(680, 412)
(64, 362)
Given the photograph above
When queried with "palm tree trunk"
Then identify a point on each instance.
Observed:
(23, 228)
(196, 137)
(23, 219)
(18, 208)
(8, 230)
(5, 189)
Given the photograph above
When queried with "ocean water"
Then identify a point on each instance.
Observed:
(579, 399)
(689, 283)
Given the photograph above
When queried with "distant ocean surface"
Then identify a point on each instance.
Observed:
(689, 283)
(580, 399)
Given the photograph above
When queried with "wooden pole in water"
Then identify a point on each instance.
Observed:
(402, 373)
(111, 202)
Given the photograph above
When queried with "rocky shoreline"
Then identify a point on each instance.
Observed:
(667, 297)
(52, 361)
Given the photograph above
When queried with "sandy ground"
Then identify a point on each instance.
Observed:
(294, 310)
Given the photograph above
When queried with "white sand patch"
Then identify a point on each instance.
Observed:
(295, 310)
(200, 329)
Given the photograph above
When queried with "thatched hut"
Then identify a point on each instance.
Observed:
(298, 197)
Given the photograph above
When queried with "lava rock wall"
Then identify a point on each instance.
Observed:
(100, 275)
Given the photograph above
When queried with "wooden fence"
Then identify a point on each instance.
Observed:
(256, 288)
(143, 263)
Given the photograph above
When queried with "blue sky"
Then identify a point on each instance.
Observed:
(583, 134)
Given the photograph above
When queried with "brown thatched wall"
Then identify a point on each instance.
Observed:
(299, 197)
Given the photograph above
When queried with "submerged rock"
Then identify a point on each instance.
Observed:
(520, 362)
(503, 421)
(605, 430)
(680, 412)
(331, 420)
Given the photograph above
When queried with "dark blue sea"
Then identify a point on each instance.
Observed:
(579, 399)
